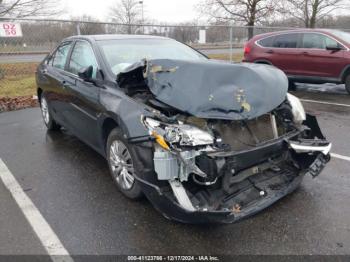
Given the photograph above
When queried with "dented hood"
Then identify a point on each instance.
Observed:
(209, 89)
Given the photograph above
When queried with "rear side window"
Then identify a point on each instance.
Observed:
(286, 41)
(318, 41)
(82, 56)
(266, 42)
(60, 57)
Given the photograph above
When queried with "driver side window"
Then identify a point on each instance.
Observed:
(82, 56)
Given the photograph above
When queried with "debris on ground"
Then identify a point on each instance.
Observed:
(16, 103)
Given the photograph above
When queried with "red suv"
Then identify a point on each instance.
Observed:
(307, 55)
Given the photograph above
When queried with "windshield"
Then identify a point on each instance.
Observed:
(122, 53)
(345, 36)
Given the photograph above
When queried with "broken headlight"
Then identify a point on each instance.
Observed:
(297, 109)
(179, 134)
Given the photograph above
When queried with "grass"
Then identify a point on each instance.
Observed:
(17, 79)
(226, 57)
(18, 86)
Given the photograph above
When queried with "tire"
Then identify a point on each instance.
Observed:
(50, 123)
(291, 85)
(347, 84)
(121, 161)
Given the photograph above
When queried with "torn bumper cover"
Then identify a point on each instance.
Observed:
(266, 174)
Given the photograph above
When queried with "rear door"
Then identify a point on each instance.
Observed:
(83, 100)
(284, 53)
(52, 79)
(317, 60)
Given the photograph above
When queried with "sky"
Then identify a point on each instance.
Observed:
(170, 11)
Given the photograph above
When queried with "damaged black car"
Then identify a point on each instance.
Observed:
(204, 141)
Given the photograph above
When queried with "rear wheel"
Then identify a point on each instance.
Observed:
(46, 114)
(347, 83)
(121, 164)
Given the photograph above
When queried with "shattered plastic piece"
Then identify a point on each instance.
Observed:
(246, 106)
(236, 208)
(157, 69)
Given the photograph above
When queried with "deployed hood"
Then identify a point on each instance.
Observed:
(209, 89)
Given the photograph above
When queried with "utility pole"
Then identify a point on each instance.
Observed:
(143, 21)
(78, 29)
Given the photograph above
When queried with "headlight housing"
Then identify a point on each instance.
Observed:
(297, 109)
(178, 134)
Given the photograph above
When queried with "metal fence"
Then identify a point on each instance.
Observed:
(19, 56)
(42, 35)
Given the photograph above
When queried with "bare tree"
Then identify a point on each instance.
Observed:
(342, 21)
(248, 12)
(309, 12)
(90, 25)
(185, 32)
(29, 8)
(127, 12)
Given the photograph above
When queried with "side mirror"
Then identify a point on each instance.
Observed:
(86, 73)
(333, 48)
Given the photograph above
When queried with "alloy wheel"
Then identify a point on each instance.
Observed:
(121, 165)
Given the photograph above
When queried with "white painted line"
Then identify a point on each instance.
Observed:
(47, 236)
(340, 156)
(324, 102)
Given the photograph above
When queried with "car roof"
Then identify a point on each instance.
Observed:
(114, 37)
(299, 30)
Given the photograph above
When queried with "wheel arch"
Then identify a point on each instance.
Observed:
(345, 73)
(262, 61)
(39, 91)
(109, 123)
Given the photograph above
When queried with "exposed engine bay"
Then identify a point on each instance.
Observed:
(228, 140)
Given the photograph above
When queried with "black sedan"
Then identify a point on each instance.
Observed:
(204, 141)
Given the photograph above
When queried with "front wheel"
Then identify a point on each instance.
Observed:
(46, 114)
(347, 83)
(121, 164)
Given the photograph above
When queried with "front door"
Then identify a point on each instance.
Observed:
(84, 96)
(317, 61)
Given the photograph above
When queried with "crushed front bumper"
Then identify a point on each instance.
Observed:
(305, 156)
(171, 208)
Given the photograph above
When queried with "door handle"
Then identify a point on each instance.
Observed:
(269, 51)
(44, 71)
(305, 53)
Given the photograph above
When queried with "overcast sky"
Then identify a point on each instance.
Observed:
(160, 10)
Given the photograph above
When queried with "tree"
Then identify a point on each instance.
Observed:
(90, 25)
(185, 32)
(29, 8)
(309, 12)
(342, 21)
(127, 12)
(248, 12)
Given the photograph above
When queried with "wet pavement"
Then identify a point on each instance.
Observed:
(70, 185)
